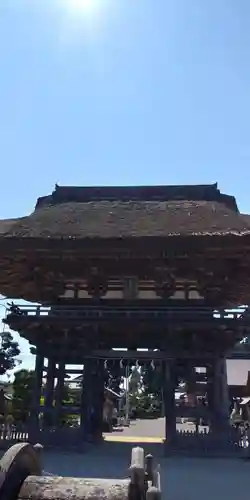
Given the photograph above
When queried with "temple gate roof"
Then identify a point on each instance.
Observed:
(125, 212)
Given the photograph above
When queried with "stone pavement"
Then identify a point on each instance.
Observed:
(144, 431)
(182, 478)
(140, 431)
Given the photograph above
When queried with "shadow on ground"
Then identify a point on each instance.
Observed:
(182, 479)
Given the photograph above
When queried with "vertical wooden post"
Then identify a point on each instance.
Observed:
(49, 392)
(191, 391)
(59, 391)
(224, 391)
(35, 407)
(98, 398)
(86, 402)
(92, 398)
(218, 395)
(169, 400)
(82, 403)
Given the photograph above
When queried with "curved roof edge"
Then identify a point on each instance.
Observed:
(7, 224)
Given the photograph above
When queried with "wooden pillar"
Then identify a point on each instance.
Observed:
(92, 399)
(49, 393)
(169, 400)
(59, 392)
(218, 396)
(98, 399)
(224, 391)
(192, 391)
(35, 407)
(86, 399)
(191, 378)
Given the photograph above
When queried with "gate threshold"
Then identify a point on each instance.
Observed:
(133, 439)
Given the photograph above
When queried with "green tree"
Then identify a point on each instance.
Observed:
(70, 397)
(9, 350)
(23, 387)
(135, 381)
(114, 375)
(152, 379)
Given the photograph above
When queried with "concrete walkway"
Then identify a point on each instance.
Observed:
(144, 431)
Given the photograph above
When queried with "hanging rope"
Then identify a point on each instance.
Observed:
(123, 363)
(152, 364)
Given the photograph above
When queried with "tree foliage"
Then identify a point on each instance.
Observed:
(9, 350)
(135, 381)
(114, 375)
(152, 380)
(23, 387)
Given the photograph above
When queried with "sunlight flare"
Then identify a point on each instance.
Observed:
(82, 4)
(83, 21)
(82, 7)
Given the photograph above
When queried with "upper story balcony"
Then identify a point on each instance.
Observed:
(111, 311)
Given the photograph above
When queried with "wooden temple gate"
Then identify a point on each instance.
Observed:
(133, 267)
(216, 438)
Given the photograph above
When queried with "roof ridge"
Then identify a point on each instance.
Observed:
(84, 194)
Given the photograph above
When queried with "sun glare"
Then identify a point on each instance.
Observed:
(82, 6)
(82, 20)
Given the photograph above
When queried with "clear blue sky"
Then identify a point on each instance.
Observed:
(123, 92)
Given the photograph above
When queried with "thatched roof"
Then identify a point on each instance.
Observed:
(99, 213)
(114, 221)
(6, 225)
